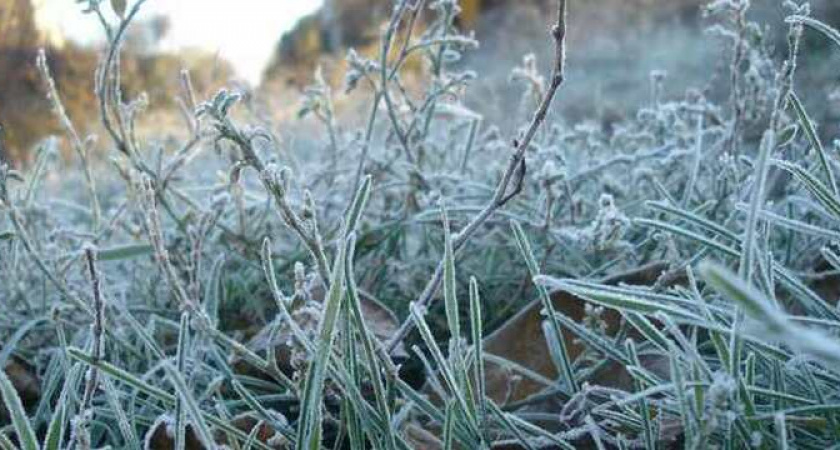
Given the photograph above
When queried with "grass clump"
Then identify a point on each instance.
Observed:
(160, 307)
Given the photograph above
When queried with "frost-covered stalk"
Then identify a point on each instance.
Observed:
(512, 179)
(370, 70)
(318, 100)
(81, 436)
(741, 47)
(118, 118)
(769, 141)
(80, 147)
(108, 89)
(385, 77)
(274, 179)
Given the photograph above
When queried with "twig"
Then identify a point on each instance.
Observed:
(387, 42)
(510, 184)
(75, 139)
(274, 185)
(108, 80)
(97, 328)
(80, 438)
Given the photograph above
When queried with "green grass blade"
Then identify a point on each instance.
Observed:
(152, 391)
(443, 365)
(477, 323)
(123, 423)
(309, 431)
(124, 252)
(449, 283)
(357, 206)
(369, 350)
(822, 27)
(533, 269)
(177, 380)
(820, 191)
(58, 424)
(814, 139)
(617, 299)
(777, 324)
(20, 422)
(6, 443)
(593, 340)
(180, 365)
(448, 427)
(694, 219)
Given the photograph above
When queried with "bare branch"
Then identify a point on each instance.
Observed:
(512, 179)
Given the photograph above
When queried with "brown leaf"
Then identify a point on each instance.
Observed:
(119, 7)
(26, 383)
(380, 320)
(160, 437)
(521, 340)
(247, 422)
(421, 439)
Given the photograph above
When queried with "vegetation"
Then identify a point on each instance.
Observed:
(235, 289)
(24, 109)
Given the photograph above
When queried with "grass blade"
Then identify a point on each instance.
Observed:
(777, 324)
(533, 269)
(476, 321)
(20, 421)
(822, 27)
(177, 380)
(309, 431)
(124, 252)
(820, 191)
(814, 139)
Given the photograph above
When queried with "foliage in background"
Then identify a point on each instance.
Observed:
(24, 109)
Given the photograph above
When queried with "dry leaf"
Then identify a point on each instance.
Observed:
(161, 436)
(521, 340)
(119, 7)
(247, 422)
(381, 321)
(26, 383)
(421, 439)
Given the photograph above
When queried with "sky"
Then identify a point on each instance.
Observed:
(245, 32)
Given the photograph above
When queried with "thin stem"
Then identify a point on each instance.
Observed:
(511, 181)
(75, 139)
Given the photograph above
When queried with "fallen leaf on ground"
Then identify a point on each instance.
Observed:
(521, 341)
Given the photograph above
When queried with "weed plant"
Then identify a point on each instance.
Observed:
(135, 291)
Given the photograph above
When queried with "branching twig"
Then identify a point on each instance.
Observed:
(108, 83)
(511, 181)
(271, 181)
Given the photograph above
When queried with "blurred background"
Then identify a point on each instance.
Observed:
(270, 49)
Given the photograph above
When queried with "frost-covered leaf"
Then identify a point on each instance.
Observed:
(774, 324)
